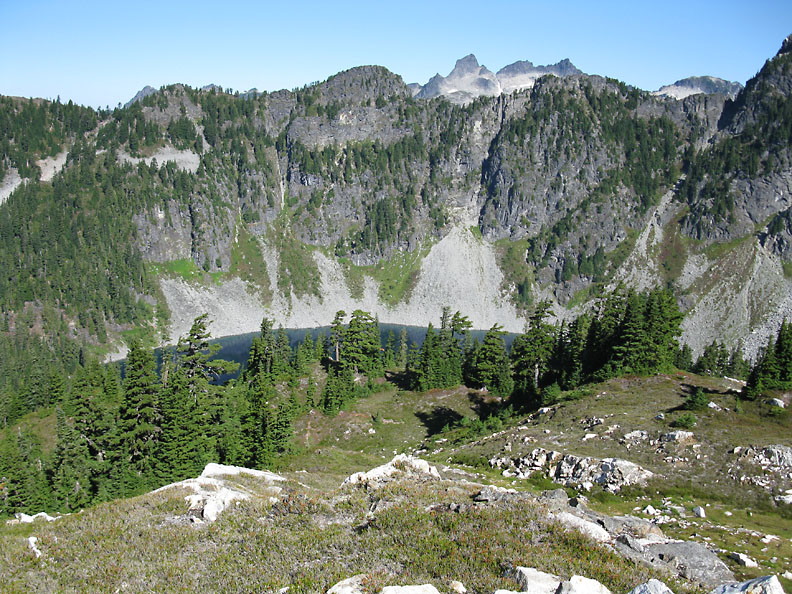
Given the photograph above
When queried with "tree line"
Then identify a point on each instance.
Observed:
(118, 437)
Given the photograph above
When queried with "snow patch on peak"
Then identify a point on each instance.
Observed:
(695, 85)
(469, 79)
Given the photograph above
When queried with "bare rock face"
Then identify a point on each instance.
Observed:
(464, 83)
(422, 589)
(403, 463)
(590, 529)
(141, 94)
(469, 80)
(352, 585)
(212, 494)
(651, 587)
(581, 585)
(534, 581)
(691, 560)
(762, 585)
(570, 470)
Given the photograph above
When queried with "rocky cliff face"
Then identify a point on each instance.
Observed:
(572, 182)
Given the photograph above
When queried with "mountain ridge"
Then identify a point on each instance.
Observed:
(355, 175)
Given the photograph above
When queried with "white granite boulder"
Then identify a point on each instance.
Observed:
(768, 584)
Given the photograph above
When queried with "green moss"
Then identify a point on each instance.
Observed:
(185, 269)
(516, 270)
(145, 335)
(396, 277)
(673, 249)
(717, 250)
(787, 269)
(298, 272)
(617, 257)
(247, 262)
(583, 296)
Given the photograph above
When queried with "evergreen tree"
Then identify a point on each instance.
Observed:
(180, 449)
(389, 355)
(531, 354)
(337, 333)
(632, 351)
(492, 367)
(139, 418)
(684, 358)
(71, 467)
(361, 344)
(568, 360)
(603, 332)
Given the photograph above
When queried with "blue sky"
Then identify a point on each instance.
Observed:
(102, 53)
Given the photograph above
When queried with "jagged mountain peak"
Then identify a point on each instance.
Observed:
(467, 65)
(141, 94)
(469, 79)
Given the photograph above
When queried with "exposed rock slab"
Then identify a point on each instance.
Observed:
(578, 584)
(570, 470)
(400, 464)
(762, 585)
(534, 581)
(211, 494)
(691, 560)
(422, 589)
(651, 587)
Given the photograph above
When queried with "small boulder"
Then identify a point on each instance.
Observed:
(558, 495)
(635, 436)
(457, 587)
(699, 512)
(534, 581)
(691, 560)
(423, 589)
(580, 585)
(651, 587)
(678, 437)
(33, 544)
(768, 584)
(743, 559)
(777, 402)
(400, 463)
(493, 493)
(590, 529)
(352, 585)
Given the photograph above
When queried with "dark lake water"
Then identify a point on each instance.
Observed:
(236, 348)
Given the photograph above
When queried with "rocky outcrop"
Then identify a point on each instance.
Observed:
(567, 469)
(651, 587)
(213, 491)
(402, 463)
(690, 560)
(763, 585)
(695, 85)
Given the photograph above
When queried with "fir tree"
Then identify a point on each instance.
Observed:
(492, 367)
(71, 467)
(139, 418)
(531, 355)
